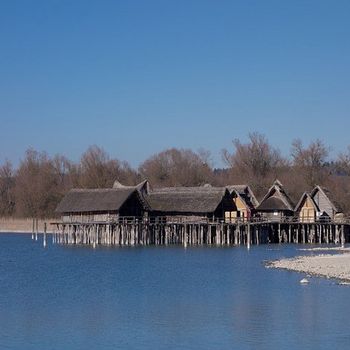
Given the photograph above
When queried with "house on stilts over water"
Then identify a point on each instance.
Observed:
(191, 204)
(104, 205)
(245, 202)
(231, 215)
(318, 206)
(276, 204)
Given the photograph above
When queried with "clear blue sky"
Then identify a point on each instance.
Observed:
(136, 77)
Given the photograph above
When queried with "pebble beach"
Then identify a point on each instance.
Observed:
(334, 266)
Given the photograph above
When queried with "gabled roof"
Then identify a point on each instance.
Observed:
(336, 207)
(302, 200)
(96, 200)
(276, 198)
(245, 193)
(187, 199)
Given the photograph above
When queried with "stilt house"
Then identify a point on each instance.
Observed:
(245, 202)
(103, 205)
(191, 204)
(327, 206)
(276, 204)
(306, 209)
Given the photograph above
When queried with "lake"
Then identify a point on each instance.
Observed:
(63, 297)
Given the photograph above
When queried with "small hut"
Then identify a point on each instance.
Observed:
(191, 204)
(327, 206)
(276, 204)
(306, 209)
(244, 200)
(102, 205)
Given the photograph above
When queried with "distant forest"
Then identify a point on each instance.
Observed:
(40, 181)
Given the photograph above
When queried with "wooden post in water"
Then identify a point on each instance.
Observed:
(248, 236)
(289, 233)
(44, 237)
(33, 228)
(336, 238)
(36, 229)
(235, 240)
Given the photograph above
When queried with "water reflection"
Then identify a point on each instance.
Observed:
(162, 297)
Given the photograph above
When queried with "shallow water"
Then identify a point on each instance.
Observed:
(62, 297)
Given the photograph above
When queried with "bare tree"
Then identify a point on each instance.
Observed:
(37, 186)
(310, 161)
(98, 170)
(177, 167)
(343, 162)
(255, 162)
(7, 184)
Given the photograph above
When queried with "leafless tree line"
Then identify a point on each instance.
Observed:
(40, 181)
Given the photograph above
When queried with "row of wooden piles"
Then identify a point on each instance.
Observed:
(131, 234)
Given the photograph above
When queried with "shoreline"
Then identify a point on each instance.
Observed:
(24, 225)
(329, 266)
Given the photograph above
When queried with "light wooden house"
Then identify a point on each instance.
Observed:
(245, 202)
(306, 209)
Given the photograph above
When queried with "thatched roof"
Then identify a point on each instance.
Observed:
(186, 199)
(276, 199)
(142, 186)
(245, 193)
(94, 200)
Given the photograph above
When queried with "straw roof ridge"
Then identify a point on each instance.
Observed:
(238, 188)
(190, 190)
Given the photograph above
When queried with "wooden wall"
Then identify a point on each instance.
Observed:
(307, 212)
(323, 203)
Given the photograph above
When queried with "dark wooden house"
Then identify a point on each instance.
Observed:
(191, 203)
(276, 204)
(102, 205)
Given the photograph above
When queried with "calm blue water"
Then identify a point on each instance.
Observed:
(163, 298)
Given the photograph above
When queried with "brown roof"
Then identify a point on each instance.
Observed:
(273, 203)
(186, 199)
(94, 200)
(276, 199)
(144, 185)
(246, 194)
